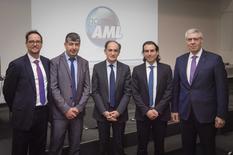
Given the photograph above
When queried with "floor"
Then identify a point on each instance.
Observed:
(224, 140)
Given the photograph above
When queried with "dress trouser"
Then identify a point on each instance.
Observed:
(74, 128)
(32, 141)
(156, 129)
(118, 129)
(190, 129)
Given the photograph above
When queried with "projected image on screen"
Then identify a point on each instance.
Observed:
(129, 22)
(102, 24)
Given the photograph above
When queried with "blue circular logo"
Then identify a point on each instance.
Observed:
(102, 24)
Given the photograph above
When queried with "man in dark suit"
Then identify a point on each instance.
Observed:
(152, 92)
(26, 91)
(200, 98)
(111, 93)
(70, 84)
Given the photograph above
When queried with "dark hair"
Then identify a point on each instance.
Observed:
(33, 32)
(156, 48)
(110, 41)
(72, 37)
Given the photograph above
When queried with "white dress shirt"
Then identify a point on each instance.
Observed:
(109, 71)
(37, 80)
(155, 79)
(188, 69)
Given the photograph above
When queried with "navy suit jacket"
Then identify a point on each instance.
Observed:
(208, 93)
(20, 91)
(141, 93)
(100, 90)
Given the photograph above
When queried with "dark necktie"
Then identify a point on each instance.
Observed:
(112, 86)
(151, 84)
(193, 68)
(41, 82)
(73, 84)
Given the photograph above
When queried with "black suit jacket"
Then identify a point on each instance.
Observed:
(20, 91)
(141, 94)
(100, 90)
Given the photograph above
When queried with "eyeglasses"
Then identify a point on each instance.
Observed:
(32, 42)
(193, 39)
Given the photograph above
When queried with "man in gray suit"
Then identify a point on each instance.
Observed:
(70, 84)
(111, 92)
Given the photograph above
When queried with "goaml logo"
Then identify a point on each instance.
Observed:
(102, 24)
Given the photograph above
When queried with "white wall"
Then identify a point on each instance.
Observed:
(226, 29)
(15, 19)
(179, 15)
(213, 17)
(138, 23)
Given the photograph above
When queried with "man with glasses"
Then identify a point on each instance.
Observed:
(200, 96)
(26, 91)
(70, 84)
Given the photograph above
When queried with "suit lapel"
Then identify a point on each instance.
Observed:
(144, 77)
(159, 78)
(79, 69)
(30, 72)
(63, 60)
(199, 65)
(46, 67)
(105, 75)
(184, 62)
(118, 74)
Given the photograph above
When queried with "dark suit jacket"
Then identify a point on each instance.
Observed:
(141, 93)
(20, 91)
(61, 86)
(100, 90)
(208, 93)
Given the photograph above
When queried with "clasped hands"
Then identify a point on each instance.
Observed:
(152, 114)
(72, 113)
(111, 116)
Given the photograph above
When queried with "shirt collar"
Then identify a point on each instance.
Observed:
(198, 54)
(32, 59)
(154, 64)
(67, 56)
(114, 64)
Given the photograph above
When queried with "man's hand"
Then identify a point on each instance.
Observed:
(219, 122)
(115, 114)
(152, 114)
(175, 117)
(72, 113)
(109, 116)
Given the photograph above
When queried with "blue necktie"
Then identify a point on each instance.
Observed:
(112, 87)
(193, 68)
(41, 82)
(73, 85)
(151, 84)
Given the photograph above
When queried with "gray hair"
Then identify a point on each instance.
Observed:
(193, 30)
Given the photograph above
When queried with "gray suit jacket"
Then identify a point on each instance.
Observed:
(100, 90)
(61, 86)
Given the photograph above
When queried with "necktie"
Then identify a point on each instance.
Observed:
(193, 68)
(151, 84)
(73, 85)
(112, 87)
(41, 82)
